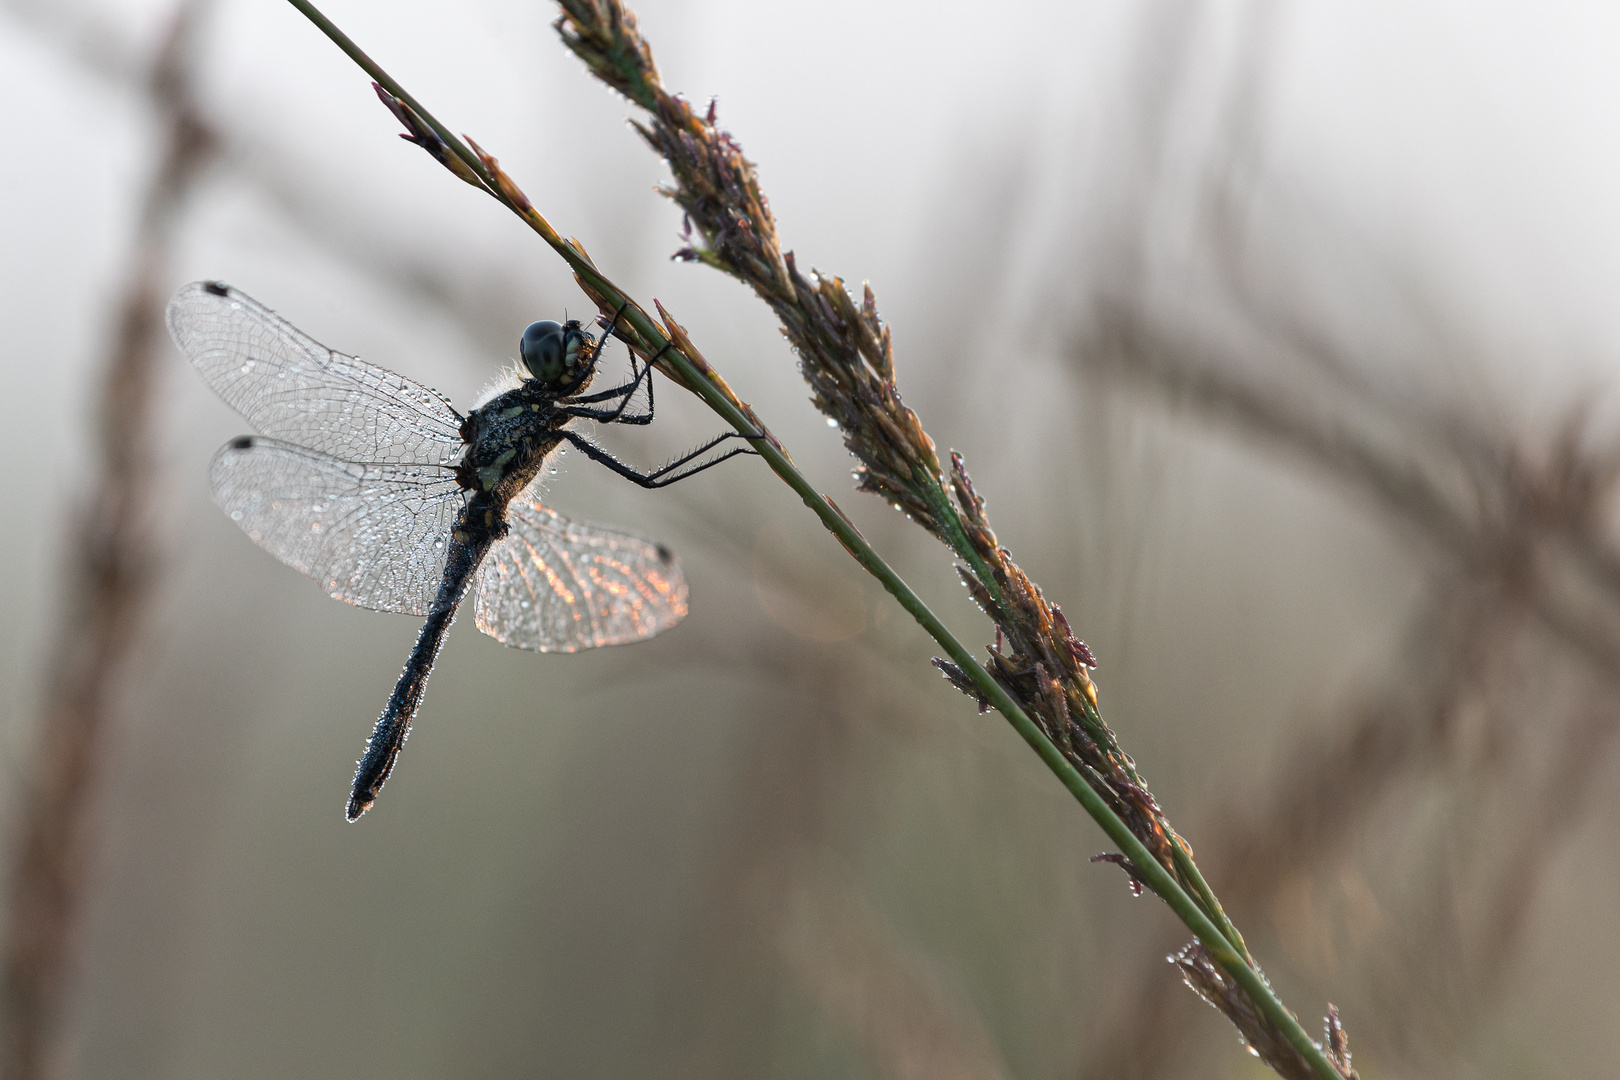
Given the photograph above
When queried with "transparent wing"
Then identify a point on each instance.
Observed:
(372, 534)
(293, 388)
(556, 585)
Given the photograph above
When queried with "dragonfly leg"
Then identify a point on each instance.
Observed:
(625, 393)
(622, 390)
(666, 474)
(636, 376)
(607, 333)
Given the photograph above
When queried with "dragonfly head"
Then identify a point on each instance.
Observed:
(558, 355)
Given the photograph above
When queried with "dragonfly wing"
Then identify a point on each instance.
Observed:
(556, 585)
(372, 534)
(292, 387)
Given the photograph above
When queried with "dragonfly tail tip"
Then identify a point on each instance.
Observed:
(357, 805)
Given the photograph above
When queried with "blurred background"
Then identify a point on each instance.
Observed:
(1281, 338)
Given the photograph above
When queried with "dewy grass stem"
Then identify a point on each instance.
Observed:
(1213, 931)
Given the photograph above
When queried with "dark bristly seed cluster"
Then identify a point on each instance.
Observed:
(1047, 668)
(1338, 1043)
(848, 358)
(1208, 980)
(846, 355)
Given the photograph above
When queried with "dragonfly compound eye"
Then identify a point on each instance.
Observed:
(543, 351)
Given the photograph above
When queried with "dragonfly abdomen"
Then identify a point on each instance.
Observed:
(502, 461)
(469, 543)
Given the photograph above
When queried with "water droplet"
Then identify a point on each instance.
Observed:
(236, 515)
(831, 422)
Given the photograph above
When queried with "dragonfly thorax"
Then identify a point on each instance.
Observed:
(509, 439)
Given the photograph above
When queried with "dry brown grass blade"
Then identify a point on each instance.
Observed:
(108, 580)
(1509, 528)
(1513, 538)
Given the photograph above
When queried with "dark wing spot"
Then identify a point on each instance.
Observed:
(242, 442)
(665, 555)
(218, 288)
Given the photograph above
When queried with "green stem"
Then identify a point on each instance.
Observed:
(1212, 905)
(1232, 958)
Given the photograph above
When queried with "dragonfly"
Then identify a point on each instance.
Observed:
(375, 486)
